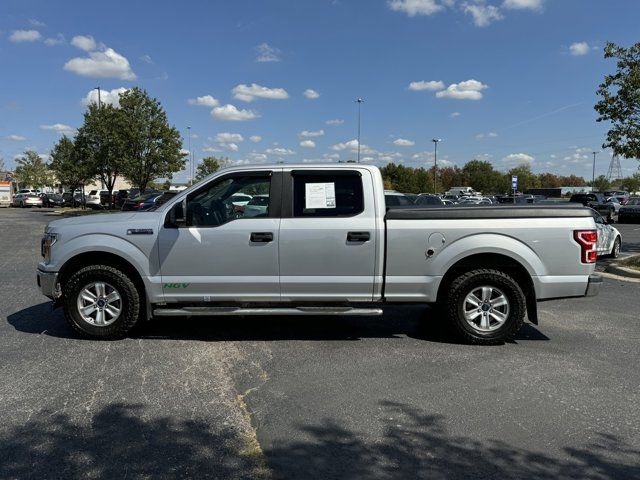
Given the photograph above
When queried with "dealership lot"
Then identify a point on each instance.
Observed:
(389, 397)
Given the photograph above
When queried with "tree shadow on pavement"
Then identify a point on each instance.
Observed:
(117, 443)
(415, 445)
(414, 321)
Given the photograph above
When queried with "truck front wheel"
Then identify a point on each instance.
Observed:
(486, 306)
(101, 302)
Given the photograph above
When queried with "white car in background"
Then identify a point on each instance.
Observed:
(609, 238)
(240, 199)
(94, 198)
(257, 206)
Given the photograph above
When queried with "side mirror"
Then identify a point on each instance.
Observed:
(177, 217)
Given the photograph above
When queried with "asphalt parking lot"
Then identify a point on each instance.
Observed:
(316, 398)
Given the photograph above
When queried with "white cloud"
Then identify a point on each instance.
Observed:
(226, 137)
(335, 121)
(424, 85)
(311, 94)
(311, 134)
(455, 114)
(308, 144)
(483, 15)
(102, 64)
(352, 145)
(523, 4)
(211, 150)
(84, 42)
(416, 7)
(467, 90)
(279, 151)
(255, 138)
(579, 48)
(25, 36)
(184, 151)
(516, 159)
(147, 59)
(53, 41)
(16, 138)
(267, 53)
(107, 97)
(232, 147)
(231, 113)
(403, 142)
(487, 135)
(248, 93)
(36, 23)
(204, 101)
(60, 128)
(260, 157)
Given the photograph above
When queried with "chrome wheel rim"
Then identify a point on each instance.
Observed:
(486, 308)
(99, 304)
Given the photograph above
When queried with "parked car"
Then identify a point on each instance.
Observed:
(98, 199)
(135, 203)
(396, 199)
(609, 238)
(51, 200)
(122, 195)
(24, 200)
(257, 206)
(597, 201)
(622, 195)
(451, 198)
(630, 212)
(616, 205)
(73, 199)
(240, 199)
(156, 200)
(328, 247)
(426, 199)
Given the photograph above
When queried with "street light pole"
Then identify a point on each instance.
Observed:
(359, 101)
(435, 161)
(593, 174)
(190, 155)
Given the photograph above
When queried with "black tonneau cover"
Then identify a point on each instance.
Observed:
(497, 211)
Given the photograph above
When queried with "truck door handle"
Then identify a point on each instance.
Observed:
(358, 237)
(261, 237)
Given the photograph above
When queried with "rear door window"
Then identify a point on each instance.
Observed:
(336, 194)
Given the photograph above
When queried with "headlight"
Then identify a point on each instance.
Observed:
(48, 241)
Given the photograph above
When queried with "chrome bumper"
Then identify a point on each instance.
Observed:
(48, 284)
(593, 287)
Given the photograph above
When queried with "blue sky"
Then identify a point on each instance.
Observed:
(510, 81)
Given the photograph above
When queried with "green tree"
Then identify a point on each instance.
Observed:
(481, 176)
(69, 169)
(601, 184)
(620, 101)
(526, 178)
(32, 171)
(151, 148)
(99, 143)
(632, 183)
(210, 165)
(549, 180)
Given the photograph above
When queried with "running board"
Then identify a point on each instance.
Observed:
(213, 311)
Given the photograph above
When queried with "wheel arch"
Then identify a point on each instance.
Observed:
(98, 257)
(495, 261)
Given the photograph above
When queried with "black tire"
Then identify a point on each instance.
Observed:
(130, 302)
(465, 284)
(615, 250)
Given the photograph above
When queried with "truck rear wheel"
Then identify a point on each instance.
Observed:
(101, 302)
(486, 306)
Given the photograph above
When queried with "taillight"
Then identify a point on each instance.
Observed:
(587, 239)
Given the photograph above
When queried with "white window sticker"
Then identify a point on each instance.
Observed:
(320, 195)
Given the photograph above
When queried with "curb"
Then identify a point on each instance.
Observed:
(622, 271)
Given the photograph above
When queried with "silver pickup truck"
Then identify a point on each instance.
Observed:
(315, 240)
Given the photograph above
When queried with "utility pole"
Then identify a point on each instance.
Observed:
(435, 161)
(593, 174)
(99, 99)
(359, 101)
